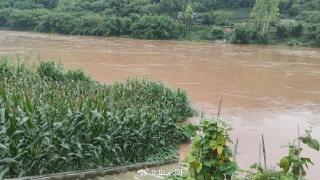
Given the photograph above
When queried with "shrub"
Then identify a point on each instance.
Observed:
(241, 34)
(170, 6)
(289, 28)
(77, 75)
(21, 20)
(294, 42)
(310, 16)
(26, 4)
(4, 13)
(295, 10)
(217, 17)
(215, 32)
(60, 22)
(297, 30)
(317, 38)
(259, 38)
(5, 68)
(155, 27)
(117, 26)
(141, 7)
(48, 126)
(210, 156)
(283, 5)
(64, 23)
(89, 24)
(51, 70)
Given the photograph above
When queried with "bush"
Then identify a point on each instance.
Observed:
(5, 68)
(51, 70)
(21, 20)
(26, 4)
(77, 124)
(294, 42)
(117, 26)
(310, 16)
(217, 17)
(241, 34)
(170, 7)
(55, 72)
(48, 23)
(4, 13)
(29, 4)
(283, 5)
(259, 38)
(295, 10)
(317, 37)
(211, 156)
(77, 75)
(141, 7)
(215, 32)
(289, 28)
(155, 27)
(89, 24)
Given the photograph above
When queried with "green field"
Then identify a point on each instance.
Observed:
(56, 120)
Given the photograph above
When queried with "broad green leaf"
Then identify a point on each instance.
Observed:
(312, 143)
(285, 164)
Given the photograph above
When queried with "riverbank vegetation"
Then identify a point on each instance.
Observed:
(291, 22)
(56, 120)
(213, 158)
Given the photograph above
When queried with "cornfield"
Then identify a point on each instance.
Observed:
(56, 120)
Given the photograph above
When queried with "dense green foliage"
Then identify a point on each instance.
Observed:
(155, 27)
(53, 120)
(211, 157)
(269, 21)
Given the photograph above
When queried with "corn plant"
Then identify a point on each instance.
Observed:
(54, 120)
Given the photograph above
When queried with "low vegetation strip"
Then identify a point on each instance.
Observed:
(53, 120)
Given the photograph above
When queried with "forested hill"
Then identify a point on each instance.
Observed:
(292, 22)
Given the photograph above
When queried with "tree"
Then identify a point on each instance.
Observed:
(264, 12)
(188, 16)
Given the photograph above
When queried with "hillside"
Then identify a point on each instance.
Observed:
(297, 22)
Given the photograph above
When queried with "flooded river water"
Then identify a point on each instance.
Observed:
(265, 89)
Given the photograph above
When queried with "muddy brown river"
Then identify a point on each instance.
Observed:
(265, 89)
